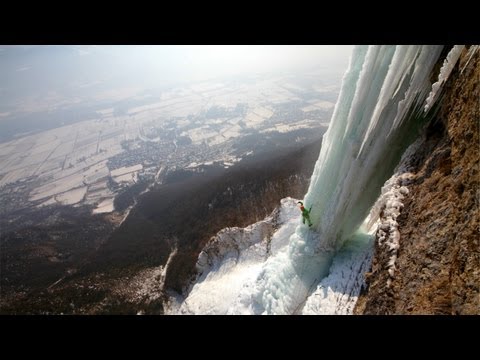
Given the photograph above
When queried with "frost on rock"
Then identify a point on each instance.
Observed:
(388, 207)
(445, 71)
(473, 49)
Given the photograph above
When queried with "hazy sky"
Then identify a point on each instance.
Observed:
(235, 59)
(36, 70)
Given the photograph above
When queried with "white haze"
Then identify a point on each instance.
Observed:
(70, 70)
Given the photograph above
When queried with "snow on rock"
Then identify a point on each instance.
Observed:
(388, 234)
(473, 49)
(383, 216)
(234, 257)
(445, 71)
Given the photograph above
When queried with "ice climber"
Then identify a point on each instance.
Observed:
(305, 213)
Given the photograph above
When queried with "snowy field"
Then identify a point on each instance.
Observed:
(319, 105)
(69, 163)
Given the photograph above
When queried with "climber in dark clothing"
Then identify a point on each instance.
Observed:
(305, 213)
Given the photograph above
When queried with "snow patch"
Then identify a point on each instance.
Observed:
(105, 206)
(50, 201)
(126, 170)
(72, 197)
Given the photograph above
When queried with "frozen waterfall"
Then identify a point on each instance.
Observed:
(377, 115)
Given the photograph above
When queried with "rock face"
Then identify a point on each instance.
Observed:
(437, 268)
